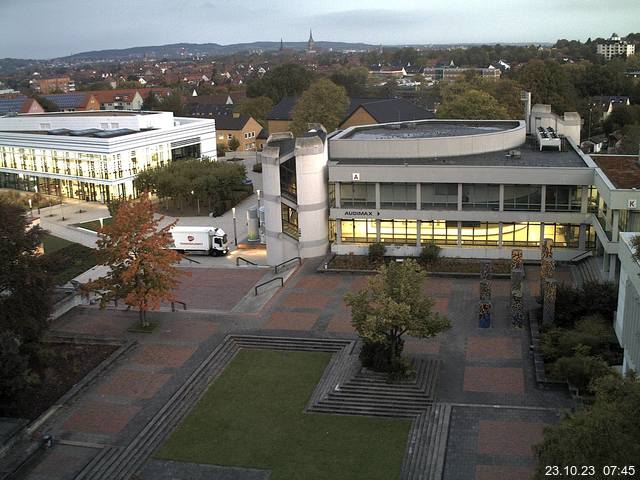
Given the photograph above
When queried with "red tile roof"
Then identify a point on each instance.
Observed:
(622, 170)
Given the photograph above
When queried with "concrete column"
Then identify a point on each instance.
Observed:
(418, 197)
(377, 196)
(613, 264)
(609, 220)
(501, 206)
(337, 194)
(582, 239)
(584, 199)
(418, 229)
(459, 200)
(459, 242)
(500, 235)
(543, 198)
(605, 263)
(338, 231)
(615, 224)
(378, 220)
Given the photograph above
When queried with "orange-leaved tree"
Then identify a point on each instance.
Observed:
(143, 270)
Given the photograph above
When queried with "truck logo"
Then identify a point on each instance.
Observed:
(191, 238)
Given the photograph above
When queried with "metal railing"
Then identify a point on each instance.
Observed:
(255, 290)
(275, 269)
(173, 305)
(249, 262)
(581, 256)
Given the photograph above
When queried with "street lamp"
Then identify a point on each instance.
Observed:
(197, 202)
(30, 207)
(258, 192)
(235, 231)
(35, 187)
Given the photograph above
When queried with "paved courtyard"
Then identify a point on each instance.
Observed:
(486, 374)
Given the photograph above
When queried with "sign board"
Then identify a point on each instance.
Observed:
(355, 177)
(361, 214)
(632, 203)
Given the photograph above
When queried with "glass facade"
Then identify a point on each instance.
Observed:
(398, 195)
(439, 232)
(439, 196)
(524, 234)
(480, 196)
(358, 195)
(480, 234)
(399, 232)
(358, 231)
(563, 198)
(563, 236)
(289, 220)
(288, 182)
(523, 197)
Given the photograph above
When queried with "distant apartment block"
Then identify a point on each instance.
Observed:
(96, 155)
(453, 74)
(615, 47)
(46, 86)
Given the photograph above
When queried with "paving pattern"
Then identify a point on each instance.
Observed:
(478, 367)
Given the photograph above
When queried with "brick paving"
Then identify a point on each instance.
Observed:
(165, 355)
(216, 288)
(62, 462)
(478, 366)
(134, 384)
(494, 380)
(494, 347)
(101, 417)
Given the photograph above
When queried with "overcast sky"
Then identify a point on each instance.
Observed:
(52, 28)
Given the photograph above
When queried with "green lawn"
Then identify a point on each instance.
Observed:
(51, 243)
(67, 260)
(252, 416)
(93, 225)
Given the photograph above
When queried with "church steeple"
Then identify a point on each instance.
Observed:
(281, 44)
(311, 44)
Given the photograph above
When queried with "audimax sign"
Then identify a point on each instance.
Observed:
(361, 213)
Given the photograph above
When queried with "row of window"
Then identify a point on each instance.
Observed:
(444, 196)
(441, 232)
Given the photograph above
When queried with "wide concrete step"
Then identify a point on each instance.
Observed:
(366, 411)
(384, 392)
(378, 400)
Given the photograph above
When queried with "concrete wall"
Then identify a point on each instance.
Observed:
(568, 125)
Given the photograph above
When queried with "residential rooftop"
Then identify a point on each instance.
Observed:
(622, 170)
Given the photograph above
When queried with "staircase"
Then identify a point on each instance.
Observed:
(369, 393)
(587, 270)
(425, 454)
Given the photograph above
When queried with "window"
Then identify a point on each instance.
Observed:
(398, 195)
(522, 197)
(398, 232)
(358, 195)
(288, 182)
(526, 234)
(332, 195)
(358, 231)
(480, 233)
(561, 198)
(478, 196)
(563, 236)
(439, 232)
(289, 220)
(593, 199)
(439, 196)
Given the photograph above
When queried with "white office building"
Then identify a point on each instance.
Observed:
(615, 47)
(95, 155)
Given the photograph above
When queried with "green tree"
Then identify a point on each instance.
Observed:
(607, 433)
(630, 139)
(548, 83)
(258, 108)
(353, 79)
(25, 287)
(285, 80)
(172, 103)
(234, 144)
(324, 102)
(393, 304)
(472, 104)
(152, 102)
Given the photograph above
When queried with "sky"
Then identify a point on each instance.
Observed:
(53, 28)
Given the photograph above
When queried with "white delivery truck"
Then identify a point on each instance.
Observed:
(207, 240)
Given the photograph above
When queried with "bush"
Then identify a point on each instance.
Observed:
(429, 254)
(376, 253)
(592, 332)
(580, 370)
(257, 168)
(221, 149)
(594, 298)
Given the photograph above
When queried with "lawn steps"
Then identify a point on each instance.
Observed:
(363, 392)
(120, 463)
(425, 454)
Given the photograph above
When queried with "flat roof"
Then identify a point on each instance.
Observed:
(530, 156)
(429, 129)
(622, 170)
(90, 113)
(89, 132)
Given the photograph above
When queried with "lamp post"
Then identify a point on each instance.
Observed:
(258, 192)
(235, 231)
(31, 207)
(197, 202)
(101, 222)
(38, 197)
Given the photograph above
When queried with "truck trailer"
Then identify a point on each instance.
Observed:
(207, 240)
